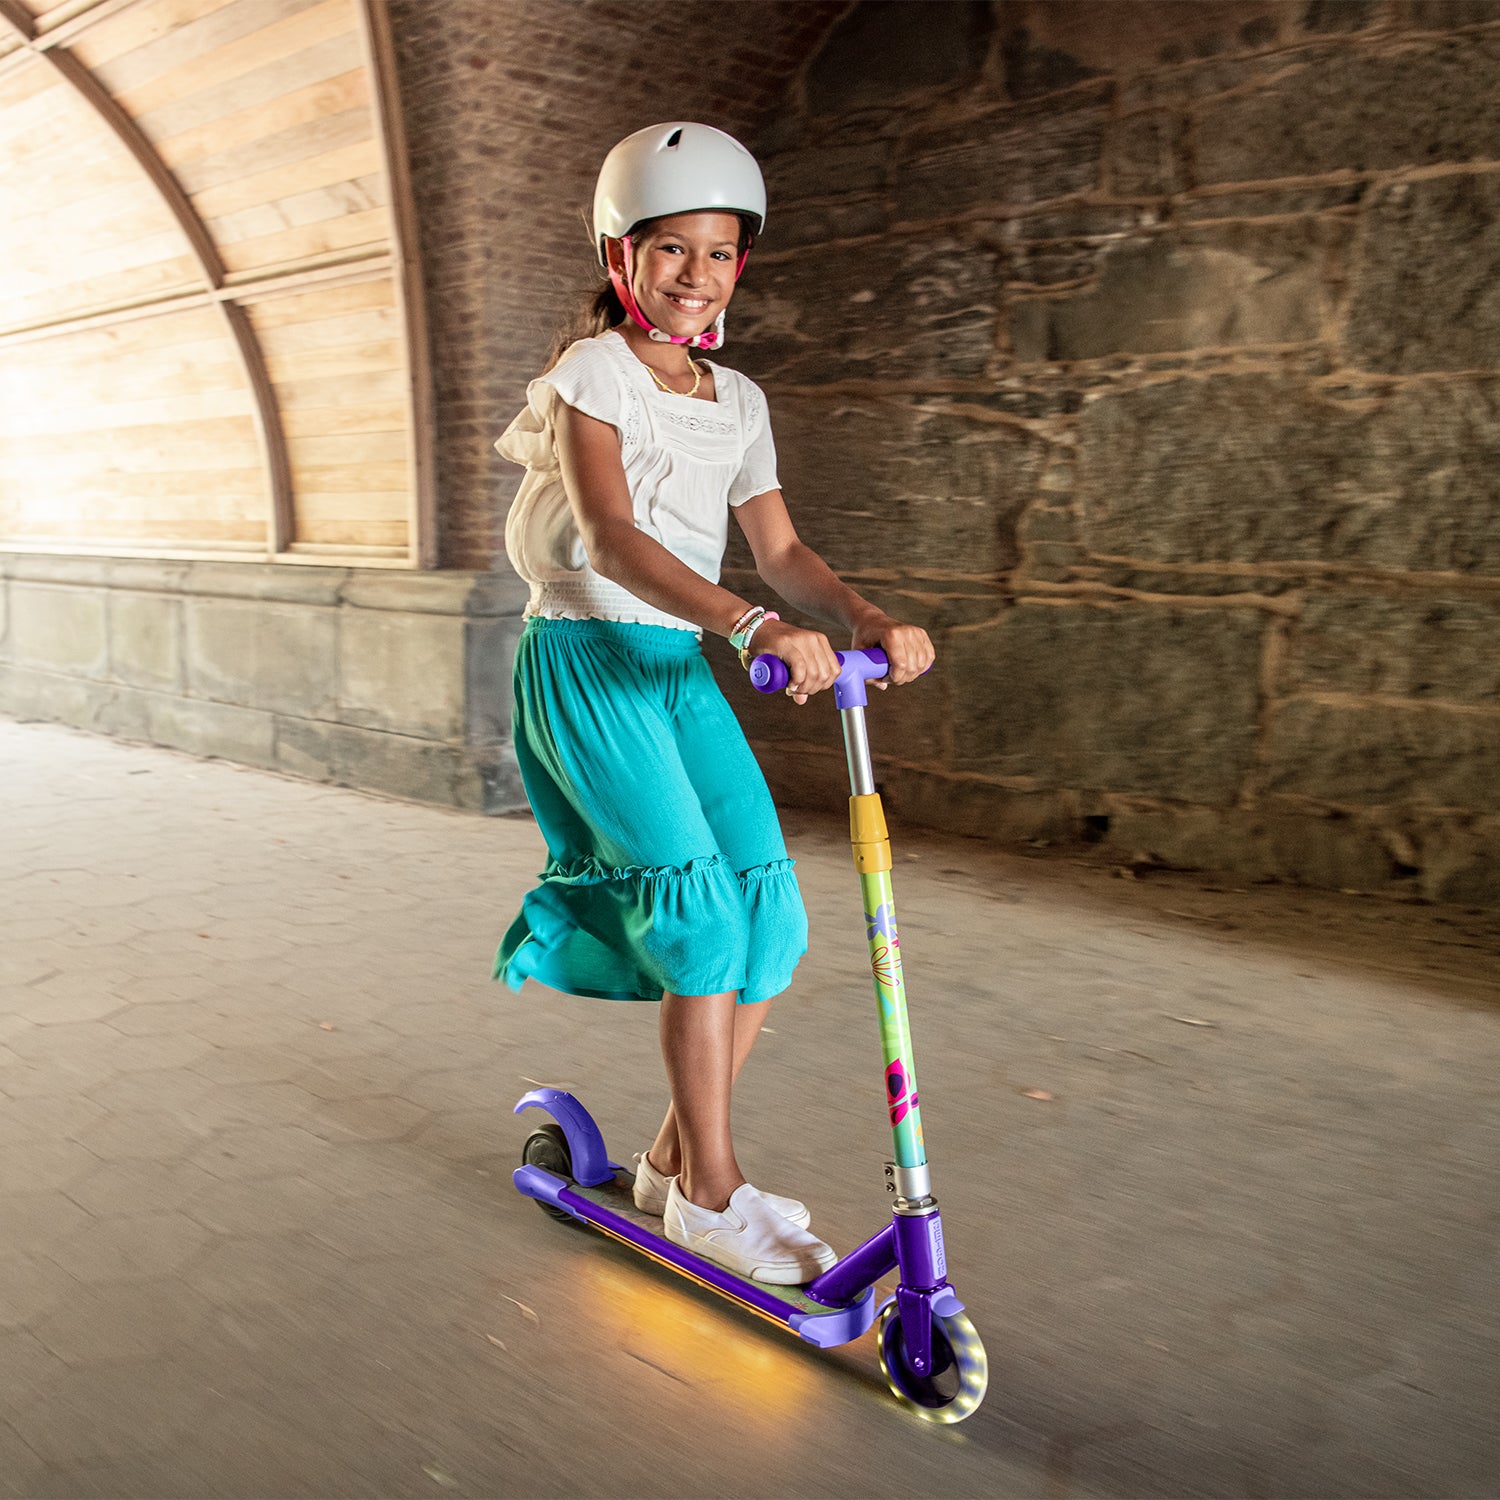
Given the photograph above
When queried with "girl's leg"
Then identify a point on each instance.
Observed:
(704, 1044)
(666, 1153)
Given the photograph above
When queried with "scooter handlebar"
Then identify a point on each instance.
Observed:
(768, 674)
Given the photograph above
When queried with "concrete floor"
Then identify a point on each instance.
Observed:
(1218, 1170)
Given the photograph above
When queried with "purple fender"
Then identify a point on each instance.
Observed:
(591, 1164)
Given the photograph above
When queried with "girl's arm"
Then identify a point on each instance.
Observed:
(806, 582)
(594, 477)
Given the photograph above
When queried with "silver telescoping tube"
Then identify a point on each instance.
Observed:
(857, 748)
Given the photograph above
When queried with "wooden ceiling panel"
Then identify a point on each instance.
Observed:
(200, 244)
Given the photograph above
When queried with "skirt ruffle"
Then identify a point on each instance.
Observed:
(635, 933)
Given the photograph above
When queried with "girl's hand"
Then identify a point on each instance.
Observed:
(906, 646)
(810, 661)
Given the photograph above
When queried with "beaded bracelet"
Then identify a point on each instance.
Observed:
(744, 625)
(765, 614)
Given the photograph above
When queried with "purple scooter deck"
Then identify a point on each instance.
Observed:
(617, 1197)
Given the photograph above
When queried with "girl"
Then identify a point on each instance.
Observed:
(667, 878)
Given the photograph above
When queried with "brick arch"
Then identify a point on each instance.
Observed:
(509, 110)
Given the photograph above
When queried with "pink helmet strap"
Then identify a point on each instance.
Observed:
(710, 338)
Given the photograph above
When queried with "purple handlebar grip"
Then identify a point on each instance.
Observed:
(768, 674)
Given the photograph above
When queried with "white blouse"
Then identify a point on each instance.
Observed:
(686, 462)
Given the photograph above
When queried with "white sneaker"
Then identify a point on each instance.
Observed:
(651, 1194)
(749, 1238)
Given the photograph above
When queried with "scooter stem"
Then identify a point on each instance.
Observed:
(872, 859)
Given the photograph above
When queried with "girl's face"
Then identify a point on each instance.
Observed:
(684, 270)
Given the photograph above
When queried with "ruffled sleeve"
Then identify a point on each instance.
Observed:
(588, 380)
(757, 472)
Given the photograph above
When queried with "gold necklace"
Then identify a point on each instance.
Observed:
(697, 370)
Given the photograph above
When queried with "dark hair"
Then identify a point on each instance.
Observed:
(599, 308)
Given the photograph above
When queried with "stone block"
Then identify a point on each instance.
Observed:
(1221, 286)
(401, 671)
(923, 309)
(489, 653)
(817, 223)
(828, 171)
(396, 764)
(1146, 155)
(1271, 201)
(293, 584)
(85, 703)
(1127, 697)
(1342, 15)
(897, 485)
(436, 593)
(1010, 159)
(1376, 755)
(246, 735)
(1461, 861)
(1444, 15)
(145, 639)
(1065, 41)
(1427, 292)
(263, 655)
(1359, 111)
(1306, 846)
(886, 48)
(1256, 469)
(61, 629)
(1428, 646)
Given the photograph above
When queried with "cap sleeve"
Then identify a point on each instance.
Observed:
(757, 472)
(588, 380)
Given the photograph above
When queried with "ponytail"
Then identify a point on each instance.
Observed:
(596, 312)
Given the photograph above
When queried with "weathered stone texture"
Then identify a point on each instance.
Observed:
(401, 672)
(1437, 647)
(1006, 160)
(1251, 469)
(1443, 15)
(1127, 697)
(1064, 40)
(901, 485)
(816, 223)
(1236, 284)
(888, 48)
(1266, 202)
(63, 629)
(1147, 155)
(827, 171)
(1378, 755)
(1360, 111)
(264, 656)
(144, 635)
(1427, 295)
(923, 310)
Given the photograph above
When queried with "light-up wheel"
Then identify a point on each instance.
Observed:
(955, 1385)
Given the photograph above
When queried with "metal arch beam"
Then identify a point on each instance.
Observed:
(265, 412)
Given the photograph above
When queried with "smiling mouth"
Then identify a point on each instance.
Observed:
(688, 304)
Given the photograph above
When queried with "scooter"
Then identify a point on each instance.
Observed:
(929, 1352)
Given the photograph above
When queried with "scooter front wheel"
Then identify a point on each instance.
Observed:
(960, 1372)
(547, 1147)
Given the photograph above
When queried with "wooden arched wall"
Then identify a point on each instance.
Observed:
(211, 332)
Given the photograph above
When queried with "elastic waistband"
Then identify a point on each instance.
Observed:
(659, 640)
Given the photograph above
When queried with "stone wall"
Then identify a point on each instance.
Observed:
(394, 682)
(1149, 355)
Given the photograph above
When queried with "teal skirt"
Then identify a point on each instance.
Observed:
(666, 868)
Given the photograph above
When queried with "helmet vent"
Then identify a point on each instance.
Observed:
(673, 140)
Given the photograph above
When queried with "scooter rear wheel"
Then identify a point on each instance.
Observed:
(955, 1385)
(547, 1147)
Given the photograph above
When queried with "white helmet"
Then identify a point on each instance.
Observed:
(675, 168)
